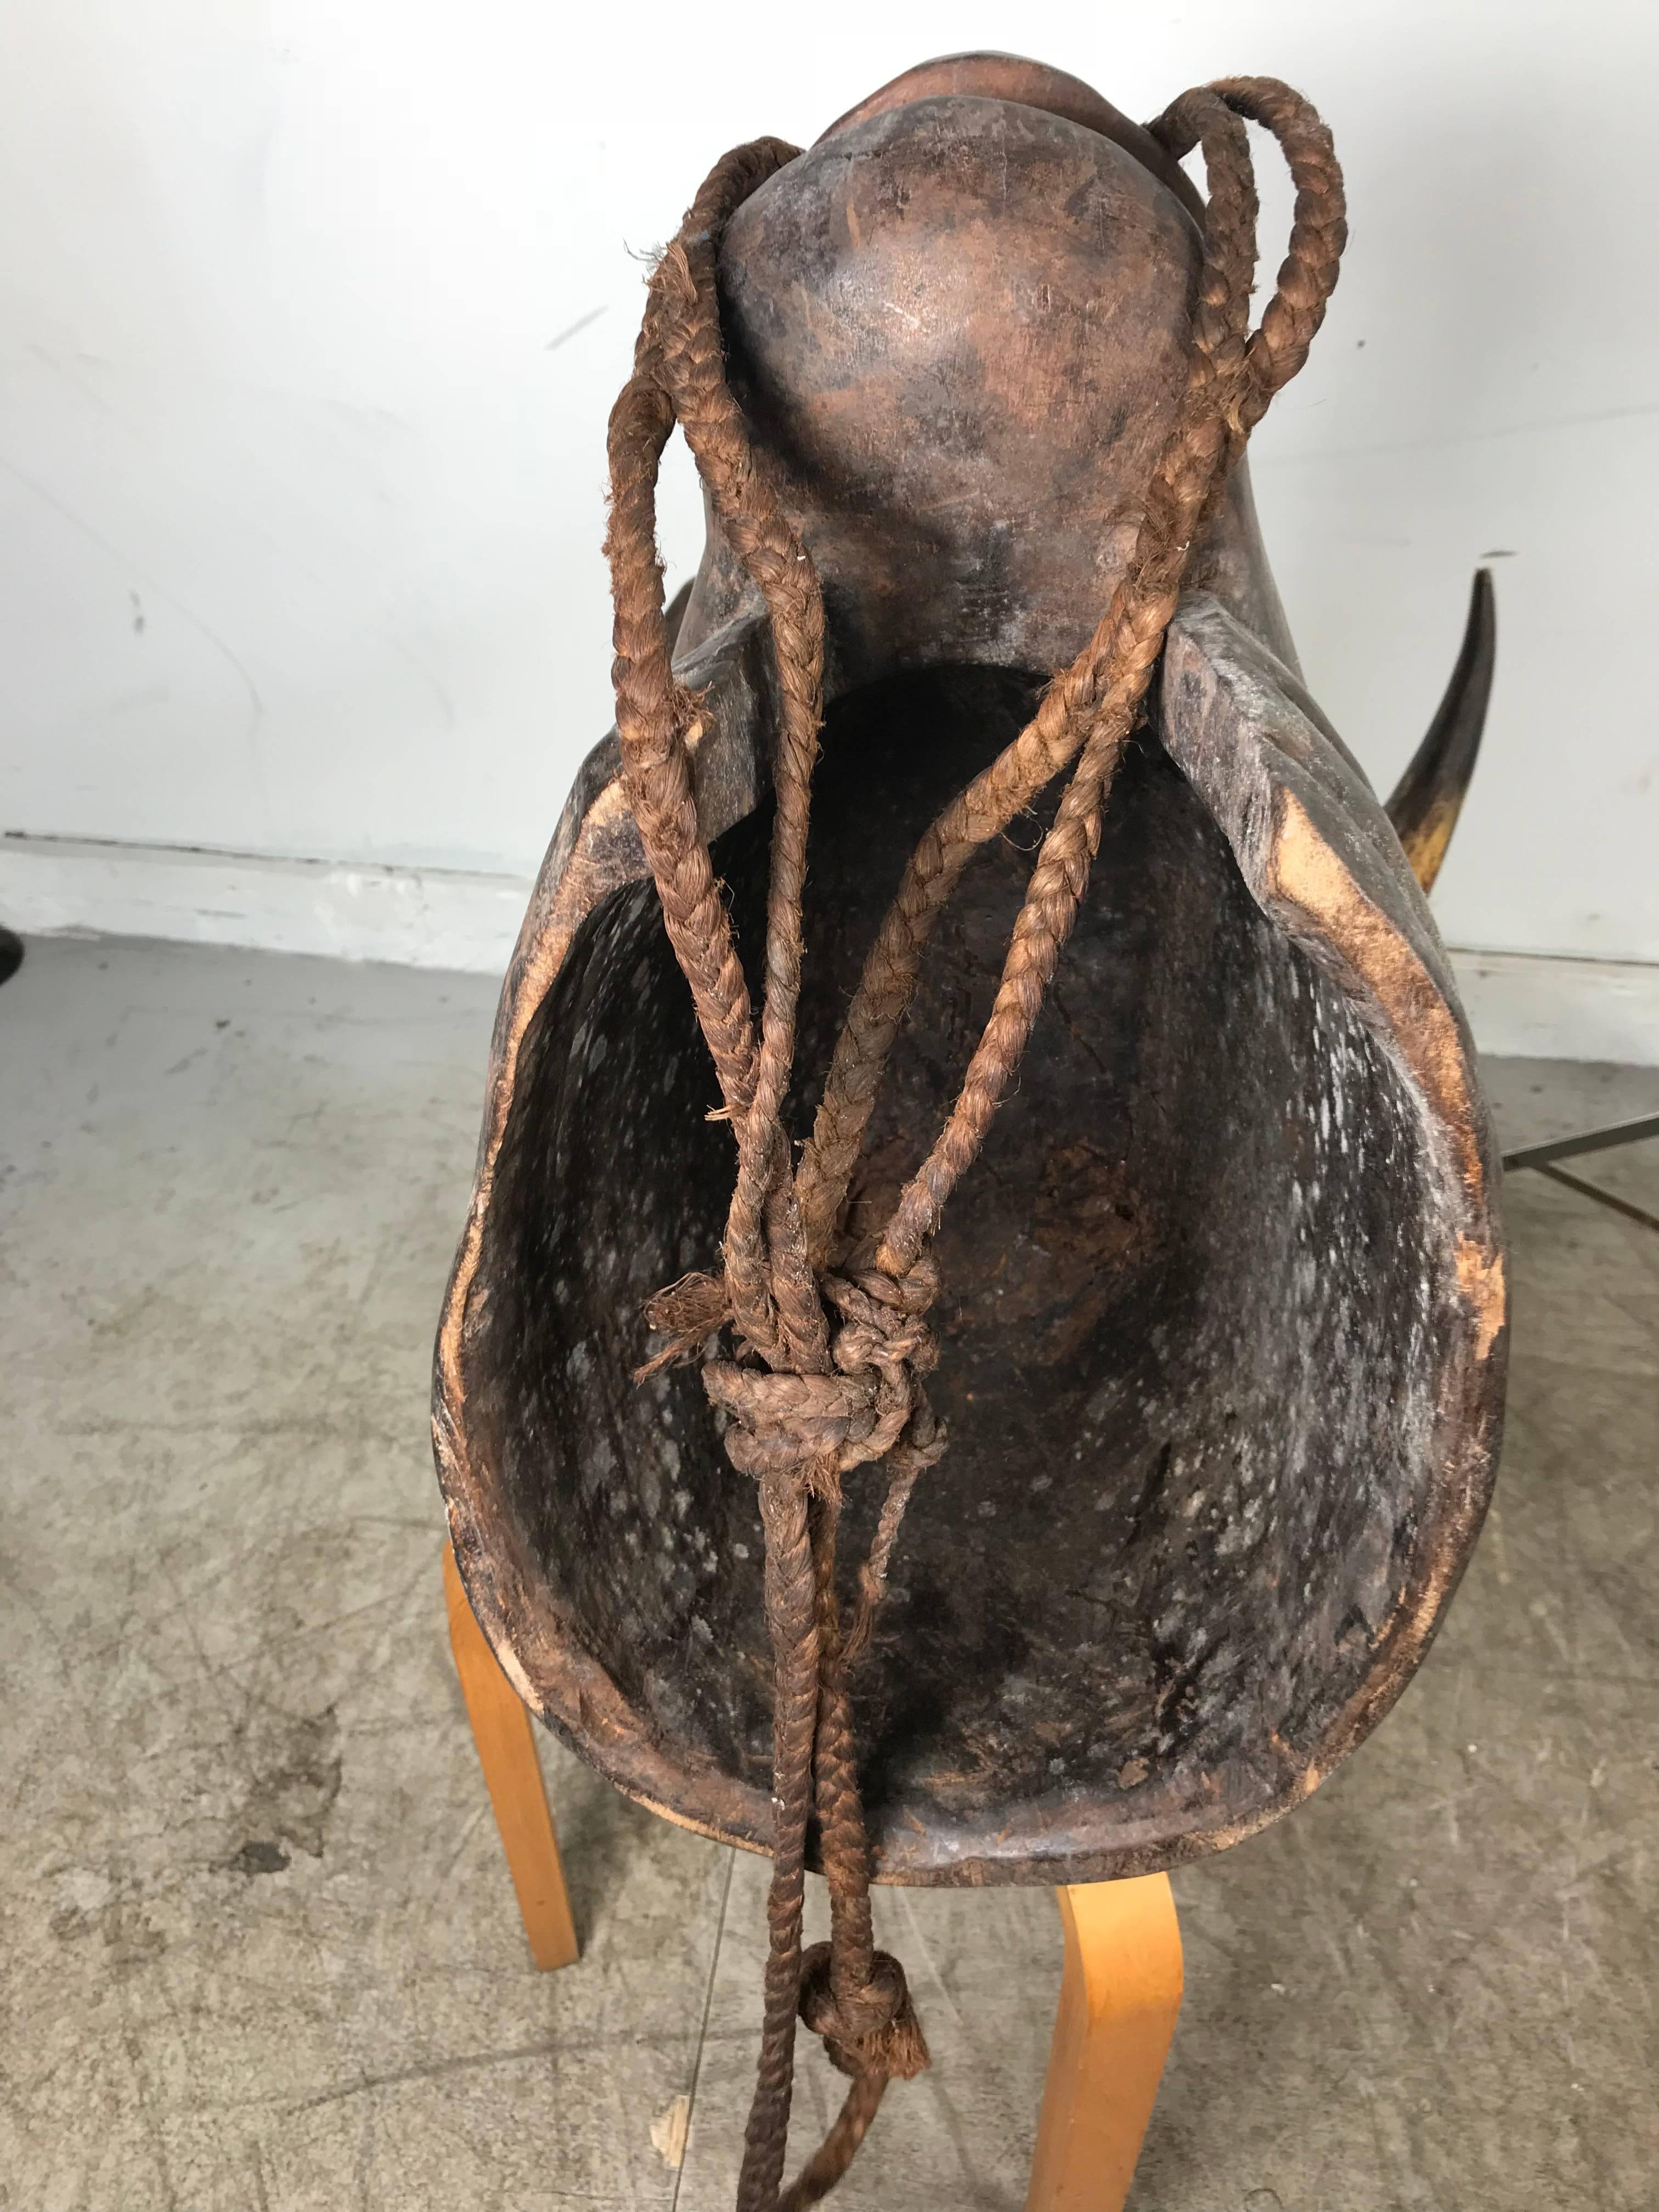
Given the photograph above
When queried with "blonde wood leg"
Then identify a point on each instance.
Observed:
(1118, 2002)
(503, 1730)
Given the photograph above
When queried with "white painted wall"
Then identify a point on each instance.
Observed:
(311, 315)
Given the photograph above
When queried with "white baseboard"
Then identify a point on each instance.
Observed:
(413, 917)
(1517, 1002)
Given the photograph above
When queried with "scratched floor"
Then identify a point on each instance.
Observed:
(260, 1953)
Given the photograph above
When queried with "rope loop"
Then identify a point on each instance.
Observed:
(816, 1428)
(803, 1400)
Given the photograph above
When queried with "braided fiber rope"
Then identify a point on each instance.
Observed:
(831, 1337)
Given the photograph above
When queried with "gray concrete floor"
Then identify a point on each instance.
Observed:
(261, 1954)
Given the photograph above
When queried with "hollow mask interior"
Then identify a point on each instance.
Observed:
(1184, 1358)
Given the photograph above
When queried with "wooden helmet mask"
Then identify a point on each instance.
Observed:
(1218, 1313)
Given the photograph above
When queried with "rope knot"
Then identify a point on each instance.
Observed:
(886, 1345)
(813, 1427)
(875, 2030)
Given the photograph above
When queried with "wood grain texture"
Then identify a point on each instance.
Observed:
(512, 1773)
(1013, 80)
(1120, 1997)
(961, 328)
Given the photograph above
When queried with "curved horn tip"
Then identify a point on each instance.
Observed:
(1425, 803)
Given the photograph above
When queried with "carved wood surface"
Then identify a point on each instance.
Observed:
(1207, 1496)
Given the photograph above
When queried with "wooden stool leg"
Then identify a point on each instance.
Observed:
(1118, 2004)
(503, 1732)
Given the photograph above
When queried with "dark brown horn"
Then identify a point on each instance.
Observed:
(1429, 796)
